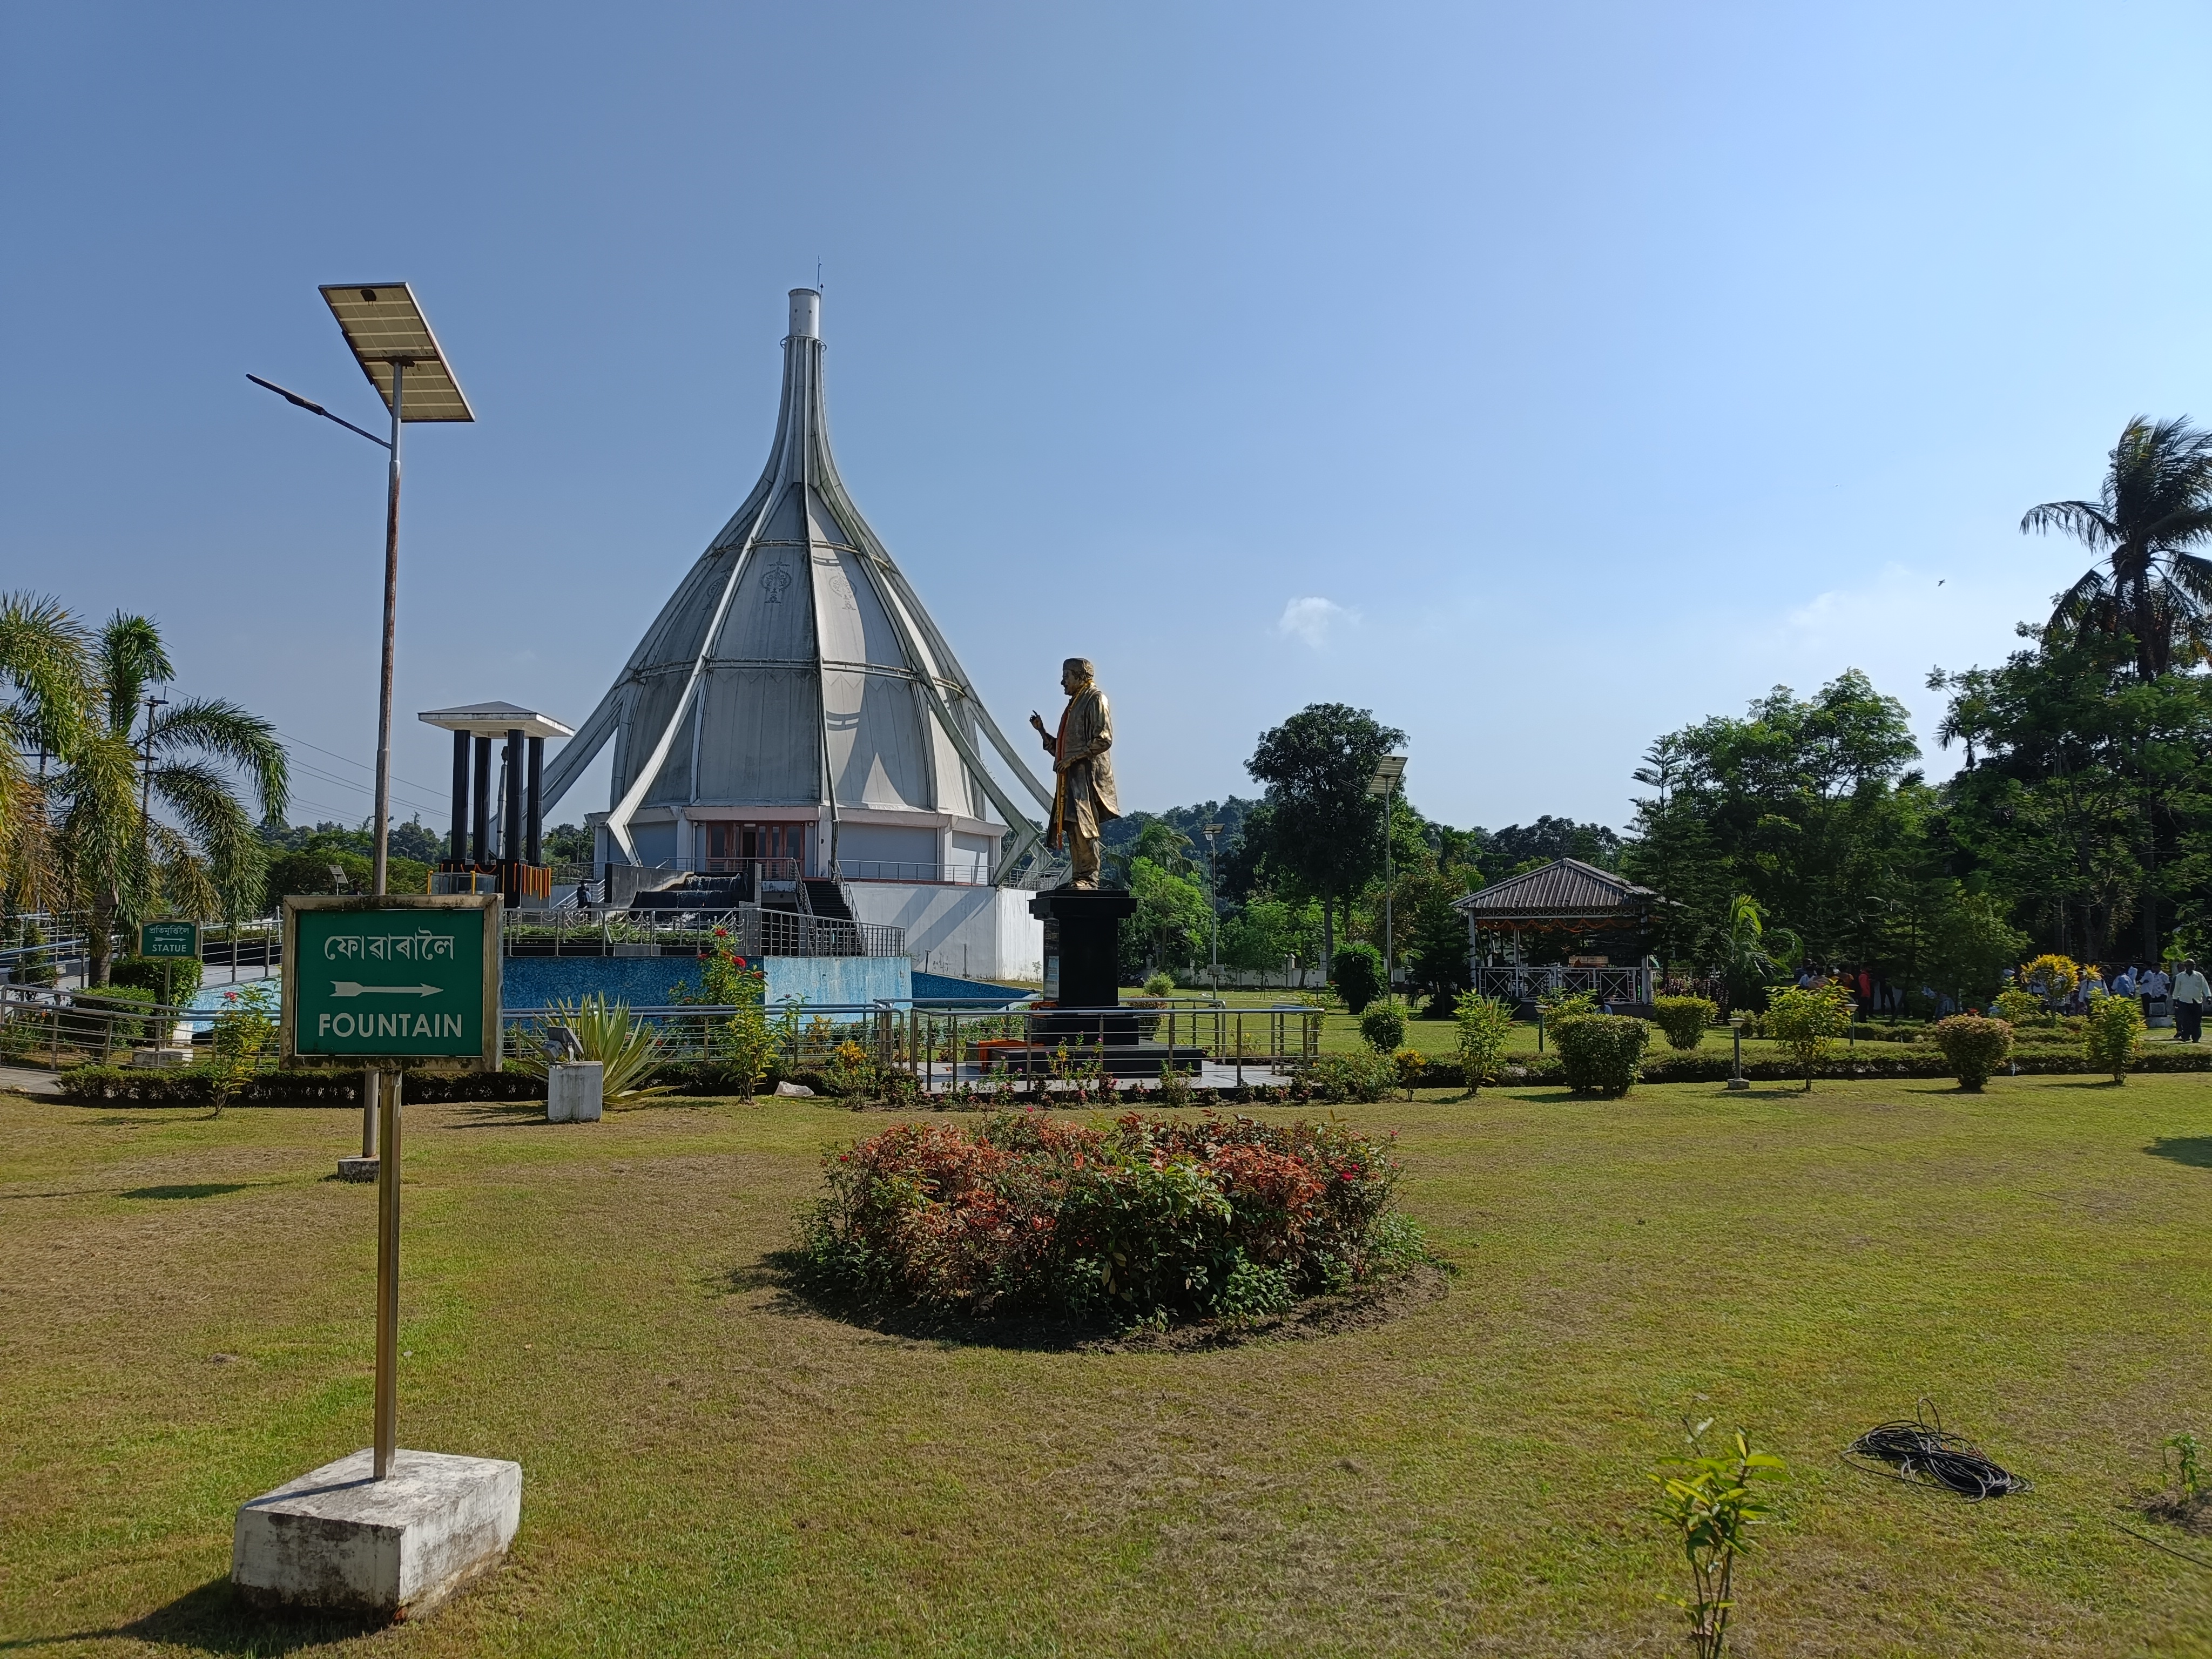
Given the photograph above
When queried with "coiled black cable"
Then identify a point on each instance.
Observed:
(1920, 1453)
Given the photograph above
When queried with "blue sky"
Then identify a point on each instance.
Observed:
(1540, 378)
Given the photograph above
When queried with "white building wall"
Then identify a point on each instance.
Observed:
(971, 933)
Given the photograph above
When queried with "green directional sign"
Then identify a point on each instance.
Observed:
(169, 939)
(413, 978)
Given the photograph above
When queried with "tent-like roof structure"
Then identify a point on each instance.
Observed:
(1564, 891)
(795, 666)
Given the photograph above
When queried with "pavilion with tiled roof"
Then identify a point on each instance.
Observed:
(1565, 896)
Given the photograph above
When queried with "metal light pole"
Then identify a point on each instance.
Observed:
(1387, 771)
(389, 337)
(1213, 834)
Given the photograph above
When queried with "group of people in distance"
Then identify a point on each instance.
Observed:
(2186, 991)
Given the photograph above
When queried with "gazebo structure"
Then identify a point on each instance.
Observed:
(1583, 920)
(502, 853)
(794, 720)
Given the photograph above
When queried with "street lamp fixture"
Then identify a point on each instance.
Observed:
(1390, 772)
(392, 342)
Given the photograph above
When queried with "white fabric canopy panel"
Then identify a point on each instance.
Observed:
(795, 666)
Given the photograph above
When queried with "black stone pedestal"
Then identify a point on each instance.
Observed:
(1082, 975)
(1083, 949)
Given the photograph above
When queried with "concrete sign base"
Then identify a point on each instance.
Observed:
(335, 1540)
(574, 1093)
(357, 1169)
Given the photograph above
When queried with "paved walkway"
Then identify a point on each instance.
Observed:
(24, 1082)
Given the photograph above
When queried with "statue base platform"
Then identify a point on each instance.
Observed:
(1130, 1060)
(1083, 944)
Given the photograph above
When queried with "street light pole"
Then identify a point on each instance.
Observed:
(399, 367)
(1389, 771)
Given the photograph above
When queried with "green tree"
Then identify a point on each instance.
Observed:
(1322, 828)
(1262, 932)
(46, 676)
(1805, 805)
(1169, 929)
(2153, 508)
(152, 819)
(1435, 944)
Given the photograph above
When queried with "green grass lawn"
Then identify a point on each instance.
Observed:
(710, 1466)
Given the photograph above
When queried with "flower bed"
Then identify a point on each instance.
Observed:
(1148, 1219)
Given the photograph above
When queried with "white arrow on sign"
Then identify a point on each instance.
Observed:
(346, 987)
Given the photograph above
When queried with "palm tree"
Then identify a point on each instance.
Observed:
(2156, 504)
(46, 671)
(154, 821)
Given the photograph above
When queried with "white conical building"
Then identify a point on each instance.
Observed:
(793, 699)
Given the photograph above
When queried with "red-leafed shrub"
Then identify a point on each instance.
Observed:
(1152, 1218)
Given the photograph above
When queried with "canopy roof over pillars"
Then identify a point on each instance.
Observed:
(795, 667)
(1565, 895)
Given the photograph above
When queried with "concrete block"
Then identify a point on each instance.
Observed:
(357, 1169)
(157, 1059)
(336, 1540)
(576, 1092)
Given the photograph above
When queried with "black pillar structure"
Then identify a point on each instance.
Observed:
(458, 851)
(482, 807)
(533, 844)
(510, 840)
(1082, 986)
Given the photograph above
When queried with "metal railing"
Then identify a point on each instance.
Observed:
(57, 1029)
(943, 875)
(1526, 984)
(977, 1043)
(749, 930)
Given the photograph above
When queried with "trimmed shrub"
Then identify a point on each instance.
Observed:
(1364, 1076)
(1975, 1046)
(1384, 1028)
(1412, 1066)
(1602, 1053)
(145, 973)
(2018, 1007)
(2109, 1034)
(1683, 1020)
(1484, 1026)
(1357, 973)
(1808, 1022)
(1149, 1219)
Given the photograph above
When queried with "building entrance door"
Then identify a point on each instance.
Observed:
(732, 846)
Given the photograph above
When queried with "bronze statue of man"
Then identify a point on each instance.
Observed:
(1083, 797)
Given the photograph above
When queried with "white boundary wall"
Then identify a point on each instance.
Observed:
(970, 932)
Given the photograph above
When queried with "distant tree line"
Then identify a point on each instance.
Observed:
(2080, 822)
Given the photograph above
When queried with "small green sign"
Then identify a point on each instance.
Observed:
(392, 979)
(169, 939)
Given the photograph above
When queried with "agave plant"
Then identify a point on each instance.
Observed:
(627, 1050)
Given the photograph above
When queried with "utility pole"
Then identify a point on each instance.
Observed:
(1213, 834)
(146, 778)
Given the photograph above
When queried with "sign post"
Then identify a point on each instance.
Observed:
(383, 982)
(168, 940)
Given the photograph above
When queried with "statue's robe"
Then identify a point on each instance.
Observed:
(1084, 798)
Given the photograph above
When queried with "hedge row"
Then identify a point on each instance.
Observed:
(190, 1085)
(1664, 1068)
(95, 1085)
